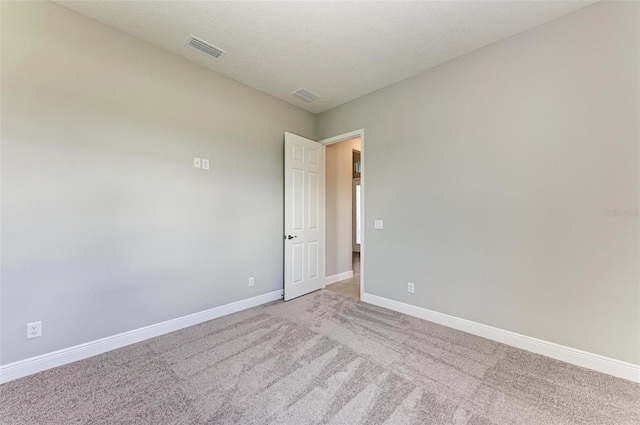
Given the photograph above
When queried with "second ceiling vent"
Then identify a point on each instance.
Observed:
(204, 47)
(305, 95)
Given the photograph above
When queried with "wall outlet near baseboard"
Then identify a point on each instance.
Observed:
(251, 281)
(411, 287)
(34, 330)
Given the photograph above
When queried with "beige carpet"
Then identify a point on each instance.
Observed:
(320, 359)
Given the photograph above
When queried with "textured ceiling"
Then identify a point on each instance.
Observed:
(338, 50)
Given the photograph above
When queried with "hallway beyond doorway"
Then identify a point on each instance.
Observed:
(349, 287)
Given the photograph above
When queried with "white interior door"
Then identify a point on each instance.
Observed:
(303, 216)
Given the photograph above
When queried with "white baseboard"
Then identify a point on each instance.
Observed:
(574, 356)
(32, 365)
(338, 277)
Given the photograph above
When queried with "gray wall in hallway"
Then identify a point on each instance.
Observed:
(339, 188)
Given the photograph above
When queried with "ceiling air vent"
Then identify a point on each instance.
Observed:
(204, 47)
(305, 95)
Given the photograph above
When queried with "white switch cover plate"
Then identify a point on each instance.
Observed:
(411, 287)
(34, 330)
(251, 281)
(377, 224)
(196, 162)
(205, 164)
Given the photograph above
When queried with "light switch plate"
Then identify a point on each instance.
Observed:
(205, 164)
(196, 162)
(377, 224)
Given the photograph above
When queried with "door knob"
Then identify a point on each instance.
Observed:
(290, 237)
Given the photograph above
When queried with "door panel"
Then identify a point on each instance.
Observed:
(297, 201)
(314, 207)
(313, 260)
(297, 263)
(304, 216)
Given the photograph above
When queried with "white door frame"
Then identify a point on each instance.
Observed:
(342, 138)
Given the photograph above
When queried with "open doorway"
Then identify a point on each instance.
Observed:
(311, 218)
(343, 214)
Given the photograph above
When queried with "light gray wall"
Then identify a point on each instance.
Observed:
(339, 220)
(494, 174)
(106, 225)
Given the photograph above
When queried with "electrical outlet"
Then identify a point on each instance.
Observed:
(251, 281)
(34, 330)
(196, 163)
(411, 287)
(378, 224)
(205, 164)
